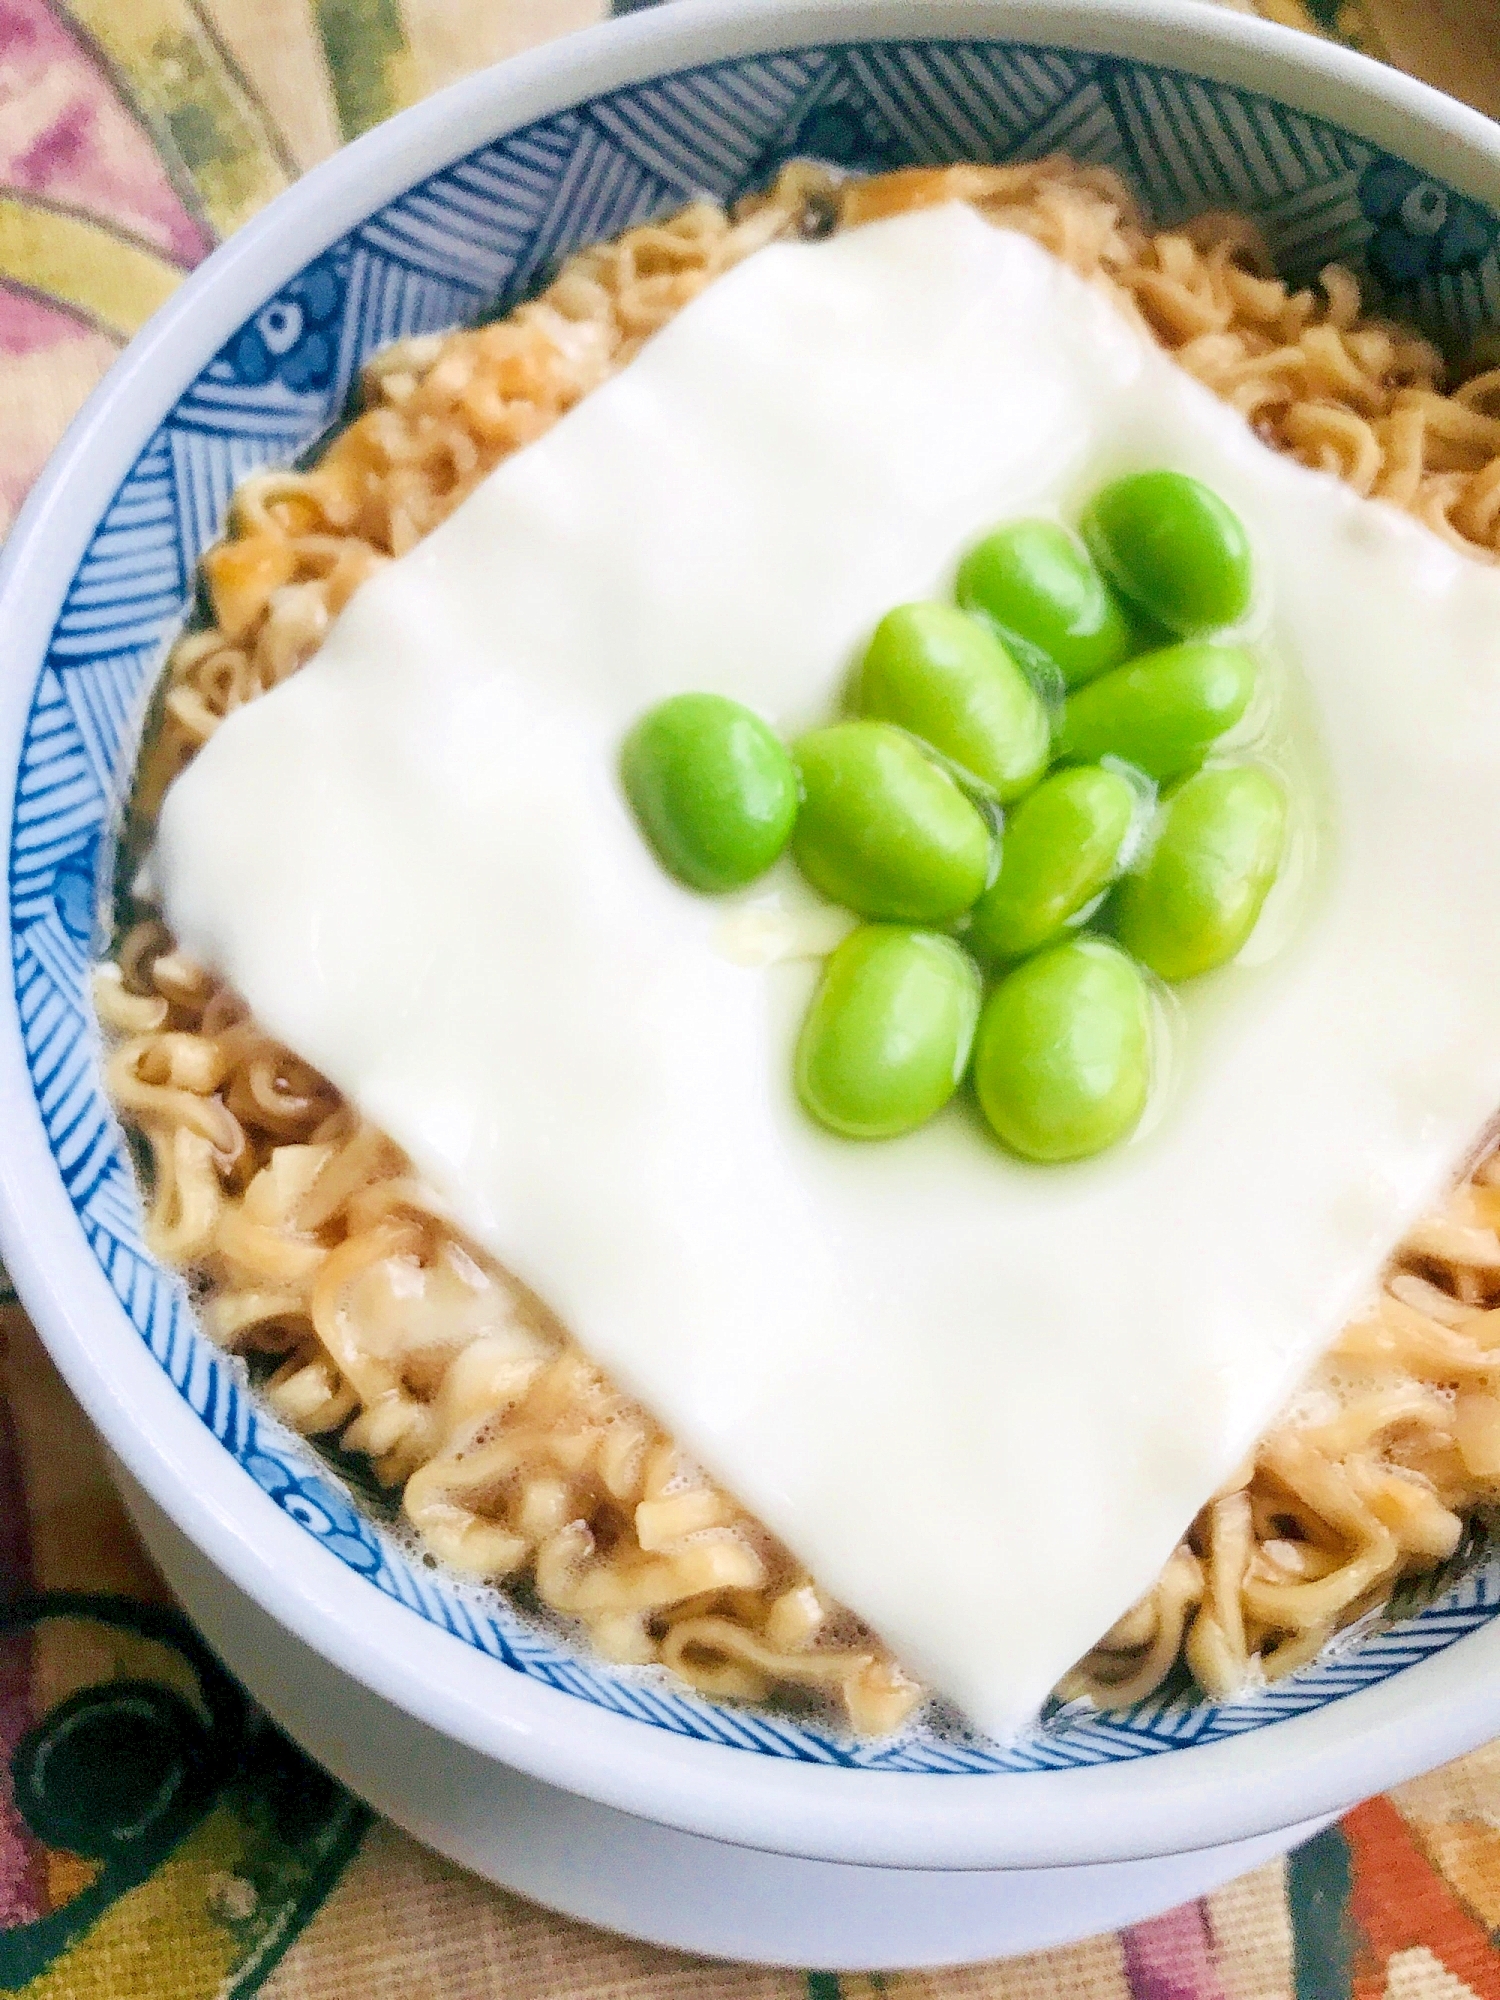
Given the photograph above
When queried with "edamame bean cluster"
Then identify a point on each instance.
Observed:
(1020, 804)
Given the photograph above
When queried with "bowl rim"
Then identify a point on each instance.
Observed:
(1305, 1766)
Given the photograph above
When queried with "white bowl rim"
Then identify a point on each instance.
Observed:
(1298, 1769)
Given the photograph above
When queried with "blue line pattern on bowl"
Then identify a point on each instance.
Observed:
(469, 242)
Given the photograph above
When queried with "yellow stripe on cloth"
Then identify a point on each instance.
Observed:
(450, 38)
(111, 281)
(211, 126)
(279, 52)
(169, 1938)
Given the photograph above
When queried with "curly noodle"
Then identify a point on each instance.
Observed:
(316, 1247)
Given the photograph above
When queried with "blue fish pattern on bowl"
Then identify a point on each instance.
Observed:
(296, 336)
(1421, 229)
(466, 242)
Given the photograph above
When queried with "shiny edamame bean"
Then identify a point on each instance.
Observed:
(713, 789)
(1061, 850)
(1199, 890)
(883, 830)
(1162, 712)
(887, 1036)
(1062, 1056)
(1038, 584)
(939, 673)
(1174, 548)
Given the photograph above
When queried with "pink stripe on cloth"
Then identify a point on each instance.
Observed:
(22, 1891)
(28, 324)
(1172, 1957)
(49, 360)
(65, 134)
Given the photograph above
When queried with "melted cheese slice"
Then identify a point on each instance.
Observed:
(980, 1399)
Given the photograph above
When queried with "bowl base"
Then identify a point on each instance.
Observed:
(654, 1882)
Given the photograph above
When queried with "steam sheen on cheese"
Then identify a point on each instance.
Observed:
(980, 1399)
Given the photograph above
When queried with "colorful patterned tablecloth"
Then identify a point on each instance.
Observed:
(134, 135)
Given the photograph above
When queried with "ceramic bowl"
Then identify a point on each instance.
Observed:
(449, 211)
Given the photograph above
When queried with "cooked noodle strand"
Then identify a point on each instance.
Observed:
(316, 1246)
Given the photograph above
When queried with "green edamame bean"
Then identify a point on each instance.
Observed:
(1061, 849)
(939, 673)
(713, 789)
(1037, 583)
(887, 1036)
(1174, 548)
(884, 830)
(1062, 1056)
(1163, 711)
(1200, 888)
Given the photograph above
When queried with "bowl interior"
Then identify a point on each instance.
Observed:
(466, 243)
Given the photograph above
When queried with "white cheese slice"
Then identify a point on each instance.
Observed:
(980, 1399)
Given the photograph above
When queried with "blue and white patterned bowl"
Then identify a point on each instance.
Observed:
(449, 212)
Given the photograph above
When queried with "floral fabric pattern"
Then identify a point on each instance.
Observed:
(160, 1839)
